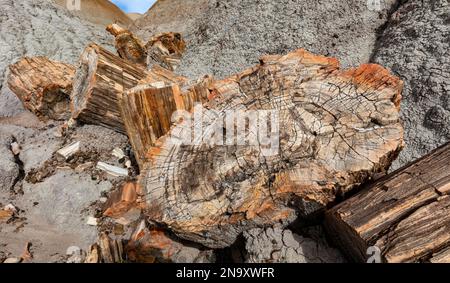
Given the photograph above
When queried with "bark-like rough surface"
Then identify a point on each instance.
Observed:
(128, 46)
(405, 215)
(416, 47)
(224, 37)
(278, 245)
(39, 28)
(43, 86)
(336, 128)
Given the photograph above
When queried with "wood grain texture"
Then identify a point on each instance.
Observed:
(100, 77)
(43, 86)
(336, 129)
(147, 109)
(166, 50)
(405, 215)
(128, 46)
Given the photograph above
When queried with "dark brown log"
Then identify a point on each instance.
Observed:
(335, 130)
(43, 86)
(405, 215)
(99, 78)
(147, 110)
(166, 50)
(128, 46)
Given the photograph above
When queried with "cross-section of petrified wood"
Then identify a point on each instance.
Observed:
(128, 46)
(99, 78)
(147, 110)
(330, 130)
(43, 86)
(406, 214)
(166, 50)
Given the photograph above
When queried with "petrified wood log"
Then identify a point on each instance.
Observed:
(406, 215)
(147, 111)
(99, 78)
(321, 132)
(128, 46)
(159, 74)
(166, 50)
(43, 86)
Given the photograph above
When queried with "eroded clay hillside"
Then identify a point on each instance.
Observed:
(40, 28)
(101, 12)
(409, 37)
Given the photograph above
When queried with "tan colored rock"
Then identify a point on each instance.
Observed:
(332, 130)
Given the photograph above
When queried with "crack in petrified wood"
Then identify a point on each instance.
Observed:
(336, 129)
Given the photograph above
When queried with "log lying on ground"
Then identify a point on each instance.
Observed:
(43, 86)
(166, 50)
(159, 74)
(329, 131)
(147, 111)
(128, 46)
(99, 78)
(406, 215)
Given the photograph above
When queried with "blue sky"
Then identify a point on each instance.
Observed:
(134, 6)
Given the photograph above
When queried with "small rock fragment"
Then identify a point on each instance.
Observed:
(73, 250)
(112, 170)
(69, 150)
(76, 255)
(129, 217)
(92, 221)
(12, 260)
(11, 208)
(117, 152)
(15, 148)
(82, 167)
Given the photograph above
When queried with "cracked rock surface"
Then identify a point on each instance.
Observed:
(279, 245)
(333, 130)
(416, 47)
(39, 27)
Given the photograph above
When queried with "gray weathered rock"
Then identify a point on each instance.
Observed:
(416, 46)
(9, 170)
(39, 27)
(56, 213)
(225, 37)
(278, 245)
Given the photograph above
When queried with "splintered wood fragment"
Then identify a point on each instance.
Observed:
(147, 111)
(69, 150)
(100, 77)
(43, 86)
(93, 254)
(112, 170)
(166, 50)
(106, 251)
(306, 133)
(406, 215)
(128, 46)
